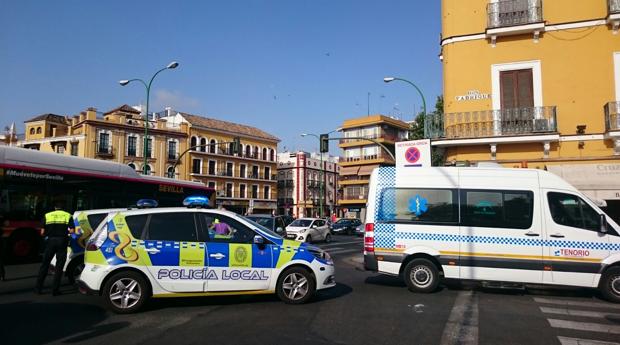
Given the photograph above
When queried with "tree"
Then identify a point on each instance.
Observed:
(416, 131)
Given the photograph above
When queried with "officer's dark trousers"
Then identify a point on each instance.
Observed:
(54, 246)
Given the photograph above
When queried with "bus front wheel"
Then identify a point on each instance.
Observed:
(421, 275)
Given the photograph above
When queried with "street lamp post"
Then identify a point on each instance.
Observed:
(390, 79)
(320, 173)
(171, 65)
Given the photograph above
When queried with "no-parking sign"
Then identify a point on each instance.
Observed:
(413, 154)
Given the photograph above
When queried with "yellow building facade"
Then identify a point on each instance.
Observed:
(361, 156)
(117, 135)
(246, 181)
(533, 83)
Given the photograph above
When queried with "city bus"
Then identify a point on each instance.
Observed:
(31, 181)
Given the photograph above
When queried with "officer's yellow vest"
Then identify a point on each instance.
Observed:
(57, 217)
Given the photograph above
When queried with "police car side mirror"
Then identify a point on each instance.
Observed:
(603, 224)
(279, 229)
(259, 239)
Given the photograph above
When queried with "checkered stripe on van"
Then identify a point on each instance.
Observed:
(494, 240)
(385, 203)
(385, 235)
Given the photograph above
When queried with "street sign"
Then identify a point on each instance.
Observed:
(413, 154)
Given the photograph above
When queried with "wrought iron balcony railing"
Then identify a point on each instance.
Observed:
(514, 12)
(492, 123)
(612, 120)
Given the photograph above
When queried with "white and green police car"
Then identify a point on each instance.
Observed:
(176, 252)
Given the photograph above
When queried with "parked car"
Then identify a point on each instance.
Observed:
(288, 220)
(273, 223)
(345, 226)
(359, 231)
(308, 230)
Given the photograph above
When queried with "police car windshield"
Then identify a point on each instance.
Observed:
(302, 222)
(264, 221)
(262, 228)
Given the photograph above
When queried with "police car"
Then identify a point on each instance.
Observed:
(176, 252)
(84, 222)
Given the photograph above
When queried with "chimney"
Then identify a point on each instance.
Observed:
(91, 113)
(168, 111)
(82, 116)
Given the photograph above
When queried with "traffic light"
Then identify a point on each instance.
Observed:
(324, 147)
(236, 145)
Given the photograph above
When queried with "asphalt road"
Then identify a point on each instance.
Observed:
(364, 308)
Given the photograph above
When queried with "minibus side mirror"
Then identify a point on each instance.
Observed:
(603, 224)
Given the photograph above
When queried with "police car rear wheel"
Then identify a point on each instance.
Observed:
(421, 275)
(126, 292)
(295, 286)
(610, 284)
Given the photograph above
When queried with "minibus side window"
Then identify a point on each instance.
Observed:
(408, 205)
(497, 208)
(571, 210)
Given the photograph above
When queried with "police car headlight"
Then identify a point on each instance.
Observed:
(321, 254)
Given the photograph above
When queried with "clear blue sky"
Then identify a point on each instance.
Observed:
(287, 66)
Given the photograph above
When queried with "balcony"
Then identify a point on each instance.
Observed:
(531, 121)
(613, 14)
(366, 159)
(514, 17)
(389, 137)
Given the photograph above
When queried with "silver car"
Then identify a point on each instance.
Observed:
(308, 230)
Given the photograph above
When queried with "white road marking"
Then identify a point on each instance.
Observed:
(577, 341)
(576, 303)
(462, 325)
(340, 243)
(345, 251)
(571, 312)
(584, 326)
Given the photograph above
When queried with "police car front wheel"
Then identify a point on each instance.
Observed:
(421, 275)
(610, 284)
(295, 286)
(126, 292)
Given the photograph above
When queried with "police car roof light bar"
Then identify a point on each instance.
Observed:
(196, 201)
(146, 203)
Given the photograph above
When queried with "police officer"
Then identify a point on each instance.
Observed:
(58, 226)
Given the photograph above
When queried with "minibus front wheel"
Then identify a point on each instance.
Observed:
(421, 275)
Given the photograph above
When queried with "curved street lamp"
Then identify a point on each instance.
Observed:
(320, 173)
(390, 79)
(124, 82)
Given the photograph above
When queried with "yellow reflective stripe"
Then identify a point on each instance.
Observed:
(287, 251)
(518, 256)
(84, 229)
(127, 248)
(239, 255)
(57, 217)
(191, 255)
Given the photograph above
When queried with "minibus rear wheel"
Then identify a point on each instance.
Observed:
(421, 275)
(610, 284)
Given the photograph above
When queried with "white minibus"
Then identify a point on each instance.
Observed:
(493, 225)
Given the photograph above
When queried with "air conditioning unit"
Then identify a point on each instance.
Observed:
(541, 125)
(221, 194)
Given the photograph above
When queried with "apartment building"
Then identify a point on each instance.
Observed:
(361, 156)
(246, 181)
(117, 135)
(534, 83)
(307, 181)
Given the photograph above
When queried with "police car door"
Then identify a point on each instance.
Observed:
(235, 262)
(575, 245)
(177, 255)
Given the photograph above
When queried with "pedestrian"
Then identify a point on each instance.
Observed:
(58, 226)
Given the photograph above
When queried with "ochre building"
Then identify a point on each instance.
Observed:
(534, 83)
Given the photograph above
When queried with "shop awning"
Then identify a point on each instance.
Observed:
(597, 181)
(347, 171)
(367, 169)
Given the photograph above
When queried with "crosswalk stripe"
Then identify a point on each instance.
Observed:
(584, 326)
(341, 243)
(571, 312)
(462, 325)
(576, 303)
(577, 341)
(345, 251)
